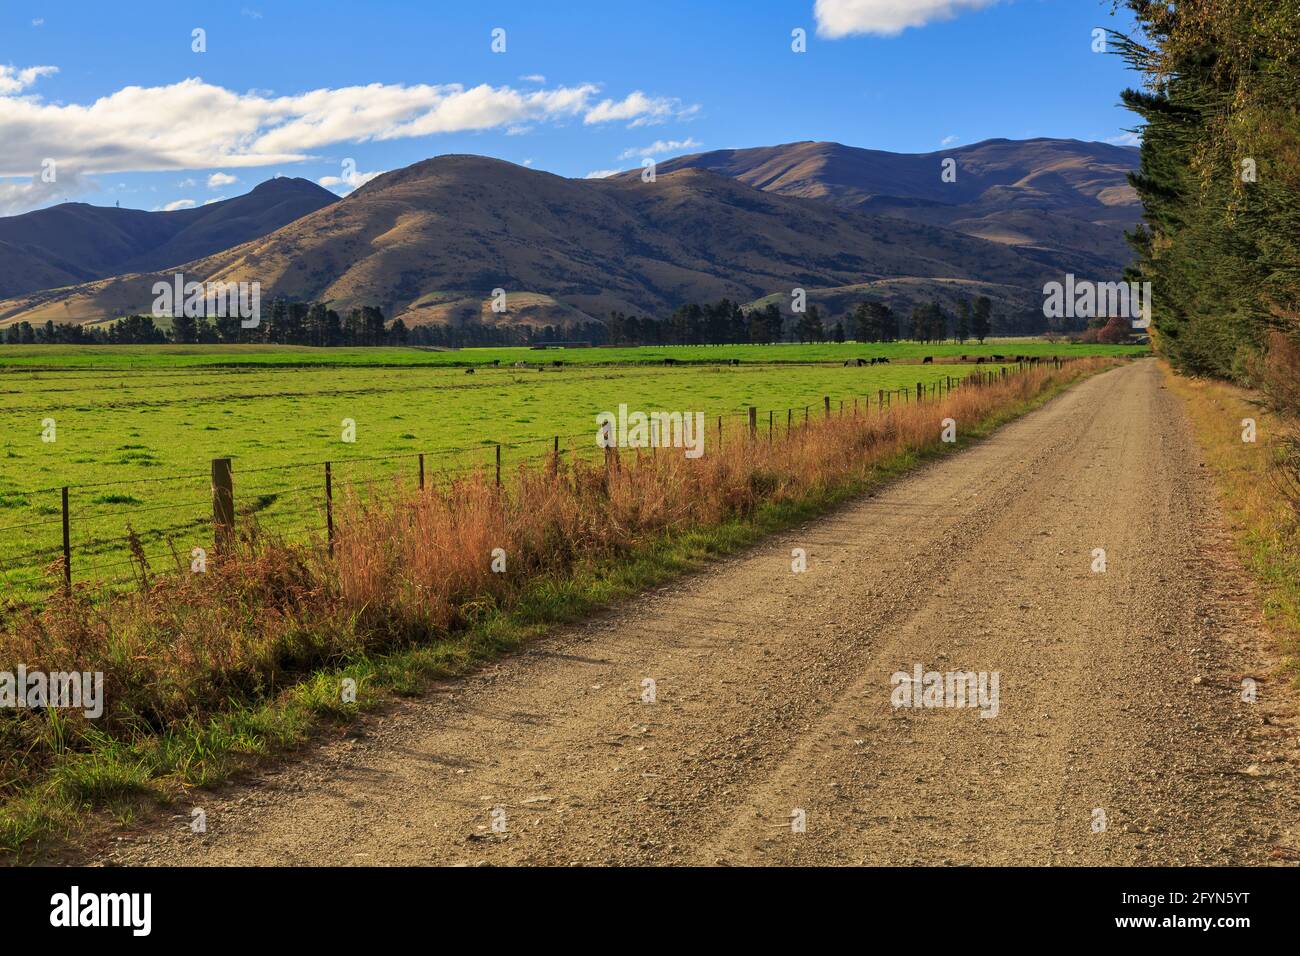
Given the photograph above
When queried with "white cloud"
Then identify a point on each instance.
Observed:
(660, 146)
(195, 125)
(947, 140)
(14, 80)
(1127, 138)
(602, 173)
(209, 202)
(841, 18)
(33, 193)
(39, 22)
(533, 78)
(179, 204)
(641, 109)
(217, 180)
(352, 180)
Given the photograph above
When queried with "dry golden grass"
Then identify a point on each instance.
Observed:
(1254, 481)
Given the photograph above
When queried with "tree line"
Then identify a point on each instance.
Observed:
(720, 323)
(1220, 181)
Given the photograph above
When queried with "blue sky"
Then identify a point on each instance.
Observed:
(297, 88)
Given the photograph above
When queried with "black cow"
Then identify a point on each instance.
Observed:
(928, 360)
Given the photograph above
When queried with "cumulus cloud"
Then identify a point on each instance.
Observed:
(533, 78)
(947, 140)
(179, 204)
(602, 173)
(841, 18)
(14, 80)
(660, 146)
(196, 125)
(217, 180)
(1127, 138)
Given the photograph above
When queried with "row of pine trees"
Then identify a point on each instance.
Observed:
(1220, 179)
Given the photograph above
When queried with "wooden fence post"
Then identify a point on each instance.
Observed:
(498, 464)
(67, 544)
(826, 401)
(223, 501)
(422, 471)
(920, 395)
(771, 418)
(753, 421)
(329, 508)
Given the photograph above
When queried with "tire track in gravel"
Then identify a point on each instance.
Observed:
(1119, 692)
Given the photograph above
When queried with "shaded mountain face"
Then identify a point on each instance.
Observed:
(1064, 202)
(430, 243)
(75, 242)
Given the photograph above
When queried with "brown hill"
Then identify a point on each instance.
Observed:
(77, 242)
(431, 242)
(1066, 202)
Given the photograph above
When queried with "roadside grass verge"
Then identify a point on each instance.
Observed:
(1253, 495)
(206, 673)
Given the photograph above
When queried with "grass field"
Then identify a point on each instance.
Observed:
(191, 356)
(137, 427)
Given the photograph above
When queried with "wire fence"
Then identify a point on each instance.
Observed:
(105, 535)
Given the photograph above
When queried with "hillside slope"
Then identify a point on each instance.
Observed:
(1064, 199)
(77, 242)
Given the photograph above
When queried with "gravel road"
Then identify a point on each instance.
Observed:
(1120, 734)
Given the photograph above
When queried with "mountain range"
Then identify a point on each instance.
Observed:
(430, 242)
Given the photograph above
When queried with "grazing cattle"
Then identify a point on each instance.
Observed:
(884, 361)
(521, 365)
(857, 363)
(734, 362)
(469, 371)
(670, 361)
(979, 360)
(999, 358)
(928, 360)
(557, 363)
(496, 362)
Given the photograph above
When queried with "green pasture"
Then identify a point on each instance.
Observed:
(135, 441)
(199, 356)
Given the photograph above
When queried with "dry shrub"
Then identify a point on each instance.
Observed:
(1279, 373)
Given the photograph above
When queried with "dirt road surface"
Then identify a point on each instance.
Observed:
(1119, 694)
